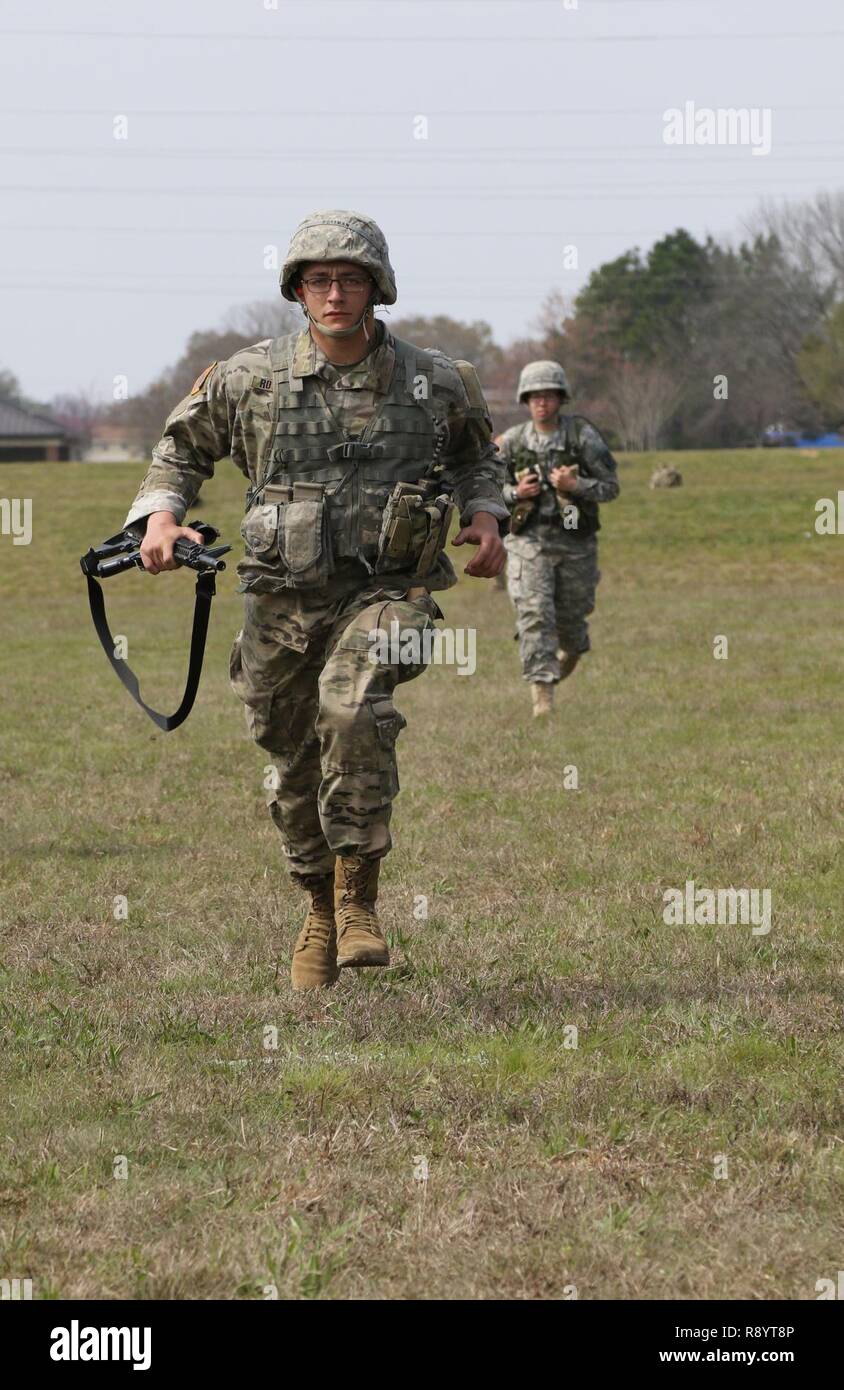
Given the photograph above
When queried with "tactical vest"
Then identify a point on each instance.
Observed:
(342, 481)
(588, 521)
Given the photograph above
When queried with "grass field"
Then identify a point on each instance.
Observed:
(550, 1167)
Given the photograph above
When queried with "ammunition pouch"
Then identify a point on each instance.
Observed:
(521, 514)
(414, 530)
(290, 529)
(586, 521)
(586, 524)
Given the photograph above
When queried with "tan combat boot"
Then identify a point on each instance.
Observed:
(542, 695)
(568, 661)
(359, 937)
(314, 961)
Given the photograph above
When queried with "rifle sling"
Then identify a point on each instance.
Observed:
(205, 590)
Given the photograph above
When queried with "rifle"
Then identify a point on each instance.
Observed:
(123, 552)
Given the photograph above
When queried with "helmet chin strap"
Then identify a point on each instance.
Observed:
(331, 332)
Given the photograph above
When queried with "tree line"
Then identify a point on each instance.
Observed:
(690, 344)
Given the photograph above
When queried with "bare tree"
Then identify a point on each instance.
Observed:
(811, 235)
(80, 413)
(10, 387)
(471, 342)
(550, 323)
(751, 334)
(642, 398)
(263, 318)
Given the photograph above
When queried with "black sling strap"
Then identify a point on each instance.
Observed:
(205, 590)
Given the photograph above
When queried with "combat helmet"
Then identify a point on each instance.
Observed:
(542, 376)
(336, 235)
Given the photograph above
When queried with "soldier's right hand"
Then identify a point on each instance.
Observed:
(528, 486)
(161, 535)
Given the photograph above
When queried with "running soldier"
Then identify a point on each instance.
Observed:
(353, 443)
(558, 470)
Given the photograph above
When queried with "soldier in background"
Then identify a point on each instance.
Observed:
(352, 441)
(558, 469)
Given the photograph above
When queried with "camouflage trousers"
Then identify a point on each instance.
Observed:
(552, 584)
(318, 703)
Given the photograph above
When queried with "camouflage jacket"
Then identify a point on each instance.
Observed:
(248, 408)
(575, 440)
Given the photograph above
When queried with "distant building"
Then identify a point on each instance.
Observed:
(27, 436)
(112, 442)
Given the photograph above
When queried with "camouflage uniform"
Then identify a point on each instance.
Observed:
(552, 564)
(332, 441)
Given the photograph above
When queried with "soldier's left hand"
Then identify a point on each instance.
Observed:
(563, 479)
(482, 531)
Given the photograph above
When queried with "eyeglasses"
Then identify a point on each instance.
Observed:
(349, 284)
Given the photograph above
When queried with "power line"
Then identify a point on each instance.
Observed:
(460, 192)
(226, 113)
(192, 36)
(426, 3)
(489, 155)
(269, 279)
(67, 287)
(681, 277)
(137, 230)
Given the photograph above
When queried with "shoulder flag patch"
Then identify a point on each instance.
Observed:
(201, 380)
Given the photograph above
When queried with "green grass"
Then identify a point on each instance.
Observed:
(548, 1165)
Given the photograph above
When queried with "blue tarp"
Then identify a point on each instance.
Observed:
(823, 441)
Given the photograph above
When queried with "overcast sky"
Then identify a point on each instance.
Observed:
(544, 130)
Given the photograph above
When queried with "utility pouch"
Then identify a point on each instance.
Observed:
(521, 514)
(440, 513)
(567, 505)
(259, 529)
(404, 529)
(389, 723)
(585, 520)
(289, 531)
(524, 506)
(304, 541)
